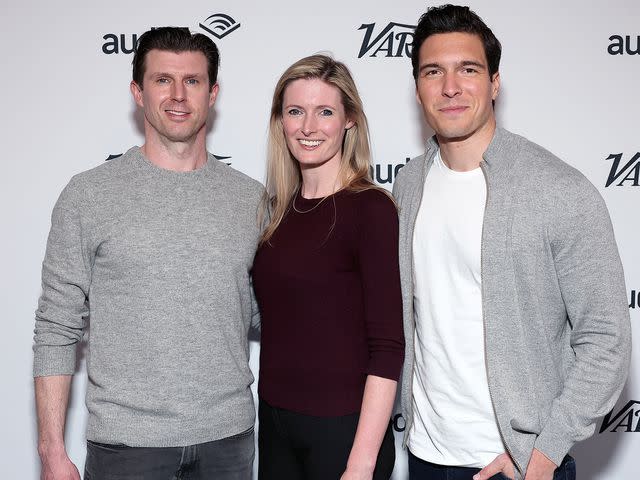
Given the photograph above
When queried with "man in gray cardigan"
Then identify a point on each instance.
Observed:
(516, 321)
(155, 248)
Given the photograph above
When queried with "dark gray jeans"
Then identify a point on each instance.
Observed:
(226, 459)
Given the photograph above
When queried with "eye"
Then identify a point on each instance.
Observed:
(294, 112)
(325, 112)
(469, 70)
(162, 80)
(192, 81)
(430, 72)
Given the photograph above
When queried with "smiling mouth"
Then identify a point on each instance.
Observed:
(310, 143)
(177, 112)
(453, 109)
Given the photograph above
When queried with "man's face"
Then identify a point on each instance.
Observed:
(454, 86)
(175, 96)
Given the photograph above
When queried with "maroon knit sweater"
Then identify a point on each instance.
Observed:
(328, 287)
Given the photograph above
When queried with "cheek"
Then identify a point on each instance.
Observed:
(290, 127)
(336, 131)
(425, 93)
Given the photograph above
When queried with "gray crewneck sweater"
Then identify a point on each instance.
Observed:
(159, 260)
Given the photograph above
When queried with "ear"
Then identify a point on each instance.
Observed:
(136, 91)
(419, 100)
(213, 94)
(349, 124)
(495, 85)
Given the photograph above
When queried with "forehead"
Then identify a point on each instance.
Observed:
(452, 47)
(312, 91)
(165, 61)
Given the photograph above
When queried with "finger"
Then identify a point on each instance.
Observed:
(490, 470)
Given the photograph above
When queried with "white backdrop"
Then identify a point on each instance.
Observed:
(67, 107)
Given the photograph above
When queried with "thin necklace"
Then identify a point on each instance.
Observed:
(312, 208)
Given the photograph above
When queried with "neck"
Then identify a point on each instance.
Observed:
(320, 181)
(178, 156)
(464, 154)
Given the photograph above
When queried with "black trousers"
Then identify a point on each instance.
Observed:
(293, 446)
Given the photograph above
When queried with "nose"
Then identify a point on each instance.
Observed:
(178, 91)
(308, 125)
(451, 86)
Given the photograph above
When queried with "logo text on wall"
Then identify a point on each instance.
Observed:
(619, 45)
(381, 173)
(625, 421)
(634, 299)
(394, 40)
(624, 172)
(219, 25)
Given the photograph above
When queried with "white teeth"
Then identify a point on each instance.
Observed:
(176, 113)
(310, 143)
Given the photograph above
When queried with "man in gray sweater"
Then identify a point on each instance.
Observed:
(516, 321)
(153, 250)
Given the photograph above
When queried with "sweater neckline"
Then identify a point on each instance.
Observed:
(306, 203)
(146, 164)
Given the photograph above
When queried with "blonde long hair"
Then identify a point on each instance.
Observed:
(283, 171)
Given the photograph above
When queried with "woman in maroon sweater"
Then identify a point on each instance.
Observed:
(327, 282)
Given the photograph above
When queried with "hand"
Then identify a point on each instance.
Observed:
(501, 464)
(357, 474)
(59, 467)
(540, 467)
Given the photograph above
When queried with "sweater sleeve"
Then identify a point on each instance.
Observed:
(592, 285)
(63, 304)
(378, 260)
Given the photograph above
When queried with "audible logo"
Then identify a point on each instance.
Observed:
(219, 25)
(620, 45)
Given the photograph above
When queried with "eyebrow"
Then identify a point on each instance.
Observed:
(473, 63)
(463, 63)
(316, 107)
(167, 74)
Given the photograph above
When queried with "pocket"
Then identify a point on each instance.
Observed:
(107, 447)
(240, 435)
(566, 470)
(500, 476)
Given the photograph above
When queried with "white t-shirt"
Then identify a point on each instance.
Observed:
(454, 422)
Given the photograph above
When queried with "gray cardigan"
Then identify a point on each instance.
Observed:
(556, 320)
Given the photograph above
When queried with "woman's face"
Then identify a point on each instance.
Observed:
(314, 122)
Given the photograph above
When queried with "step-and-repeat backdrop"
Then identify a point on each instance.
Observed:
(570, 76)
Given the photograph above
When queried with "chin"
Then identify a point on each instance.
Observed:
(453, 134)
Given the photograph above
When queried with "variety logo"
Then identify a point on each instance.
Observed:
(219, 25)
(394, 40)
(382, 174)
(629, 172)
(634, 299)
(217, 157)
(626, 420)
(620, 45)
